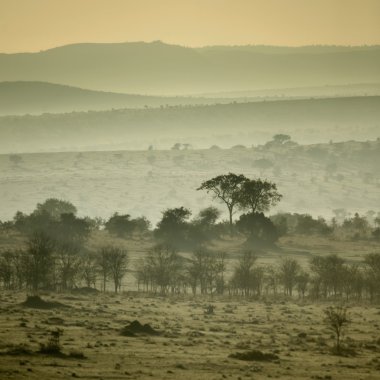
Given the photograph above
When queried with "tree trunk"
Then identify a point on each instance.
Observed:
(231, 225)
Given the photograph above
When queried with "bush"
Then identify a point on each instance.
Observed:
(52, 347)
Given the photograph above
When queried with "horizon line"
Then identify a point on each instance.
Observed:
(193, 47)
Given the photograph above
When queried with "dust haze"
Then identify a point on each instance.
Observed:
(178, 212)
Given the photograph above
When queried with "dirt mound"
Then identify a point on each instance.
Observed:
(254, 355)
(36, 302)
(136, 328)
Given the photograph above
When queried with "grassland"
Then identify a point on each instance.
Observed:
(191, 344)
(314, 179)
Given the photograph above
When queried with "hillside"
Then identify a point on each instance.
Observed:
(307, 120)
(41, 97)
(158, 68)
(18, 98)
(314, 179)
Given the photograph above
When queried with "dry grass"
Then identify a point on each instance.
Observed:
(192, 344)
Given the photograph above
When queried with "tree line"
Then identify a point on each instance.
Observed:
(43, 266)
(56, 256)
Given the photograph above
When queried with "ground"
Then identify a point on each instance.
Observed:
(192, 343)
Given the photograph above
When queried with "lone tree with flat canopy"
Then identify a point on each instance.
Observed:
(234, 190)
(225, 188)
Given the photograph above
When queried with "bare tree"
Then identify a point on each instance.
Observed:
(103, 265)
(89, 270)
(114, 262)
(40, 265)
(244, 273)
(289, 269)
(337, 319)
(164, 265)
(68, 263)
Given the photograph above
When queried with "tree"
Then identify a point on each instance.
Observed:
(225, 188)
(103, 265)
(281, 138)
(372, 269)
(328, 271)
(206, 269)
(55, 208)
(260, 230)
(302, 280)
(257, 195)
(113, 261)
(118, 260)
(244, 272)
(337, 319)
(202, 228)
(120, 225)
(289, 269)
(165, 266)
(68, 263)
(89, 270)
(172, 228)
(40, 261)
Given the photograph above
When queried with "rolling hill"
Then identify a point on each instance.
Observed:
(22, 97)
(307, 120)
(159, 68)
(18, 98)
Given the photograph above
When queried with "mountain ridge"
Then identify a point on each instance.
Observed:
(158, 68)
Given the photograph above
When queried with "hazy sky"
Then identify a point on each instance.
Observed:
(32, 25)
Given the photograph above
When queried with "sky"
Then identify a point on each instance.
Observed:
(34, 25)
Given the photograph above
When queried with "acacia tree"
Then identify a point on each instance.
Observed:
(257, 195)
(226, 188)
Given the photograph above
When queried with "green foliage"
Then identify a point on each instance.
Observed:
(172, 228)
(259, 229)
(225, 188)
(257, 195)
(55, 208)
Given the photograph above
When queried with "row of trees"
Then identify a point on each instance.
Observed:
(45, 265)
(48, 264)
(163, 270)
(58, 219)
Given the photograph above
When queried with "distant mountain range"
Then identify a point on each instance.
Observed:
(306, 120)
(161, 69)
(18, 98)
